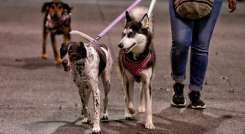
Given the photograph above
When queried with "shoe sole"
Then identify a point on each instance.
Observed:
(198, 107)
(178, 105)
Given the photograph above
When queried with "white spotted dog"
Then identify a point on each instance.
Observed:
(88, 62)
(137, 61)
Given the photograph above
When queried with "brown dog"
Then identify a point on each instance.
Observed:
(57, 21)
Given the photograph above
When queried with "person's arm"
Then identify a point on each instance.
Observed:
(232, 5)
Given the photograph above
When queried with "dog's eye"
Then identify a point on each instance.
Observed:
(130, 34)
(52, 6)
(63, 51)
(60, 7)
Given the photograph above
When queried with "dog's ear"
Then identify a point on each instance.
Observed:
(83, 50)
(145, 21)
(128, 17)
(45, 7)
(63, 50)
(67, 7)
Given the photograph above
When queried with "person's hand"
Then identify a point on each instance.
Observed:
(232, 5)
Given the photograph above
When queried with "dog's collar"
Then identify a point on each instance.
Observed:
(135, 67)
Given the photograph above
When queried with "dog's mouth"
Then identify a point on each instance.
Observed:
(127, 50)
(66, 66)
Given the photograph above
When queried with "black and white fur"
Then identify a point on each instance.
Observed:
(137, 41)
(88, 63)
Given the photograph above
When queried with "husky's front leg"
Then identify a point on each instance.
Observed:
(148, 98)
(96, 103)
(141, 107)
(128, 96)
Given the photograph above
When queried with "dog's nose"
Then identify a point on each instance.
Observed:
(120, 45)
(64, 63)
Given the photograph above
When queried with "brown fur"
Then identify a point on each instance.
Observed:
(55, 10)
(102, 56)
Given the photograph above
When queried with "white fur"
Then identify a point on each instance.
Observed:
(83, 35)
(145, 97)
(87, 80)
(138, 12)
(139, 40)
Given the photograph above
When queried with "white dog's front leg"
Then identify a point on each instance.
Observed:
(85, 95)
(96, 103)
(107, 86)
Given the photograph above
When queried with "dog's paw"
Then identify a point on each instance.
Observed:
(96, 131)
(141, 109)
(58, 61)
(104, 117)
(83, 120)
(67, 69)
(149, 125)
(129, 116)
(44, 56)
(131, 110)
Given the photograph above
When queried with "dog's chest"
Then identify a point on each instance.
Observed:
(58, 27)
(87, 69)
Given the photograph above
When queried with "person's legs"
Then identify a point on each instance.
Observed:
(202, 33)
(181, 41)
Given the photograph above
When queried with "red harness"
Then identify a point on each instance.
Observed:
(136, 67)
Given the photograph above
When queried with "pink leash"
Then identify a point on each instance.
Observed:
(113, 23)
(118, 19)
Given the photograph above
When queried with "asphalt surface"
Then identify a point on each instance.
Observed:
(38, 97)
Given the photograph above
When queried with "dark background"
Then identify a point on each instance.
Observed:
(38, 97)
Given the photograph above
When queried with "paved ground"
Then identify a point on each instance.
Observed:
(37, 97)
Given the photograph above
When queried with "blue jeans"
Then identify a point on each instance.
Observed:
(194, 34)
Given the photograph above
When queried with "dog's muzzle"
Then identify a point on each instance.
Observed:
(57, 23)
(65, 65)
(74, 57)
(126, 50)
(120, 45)
(55, 18)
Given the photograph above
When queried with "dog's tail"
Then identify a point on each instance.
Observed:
(83, 35)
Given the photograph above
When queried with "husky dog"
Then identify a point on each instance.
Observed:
(137, 61)
(87, 63)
